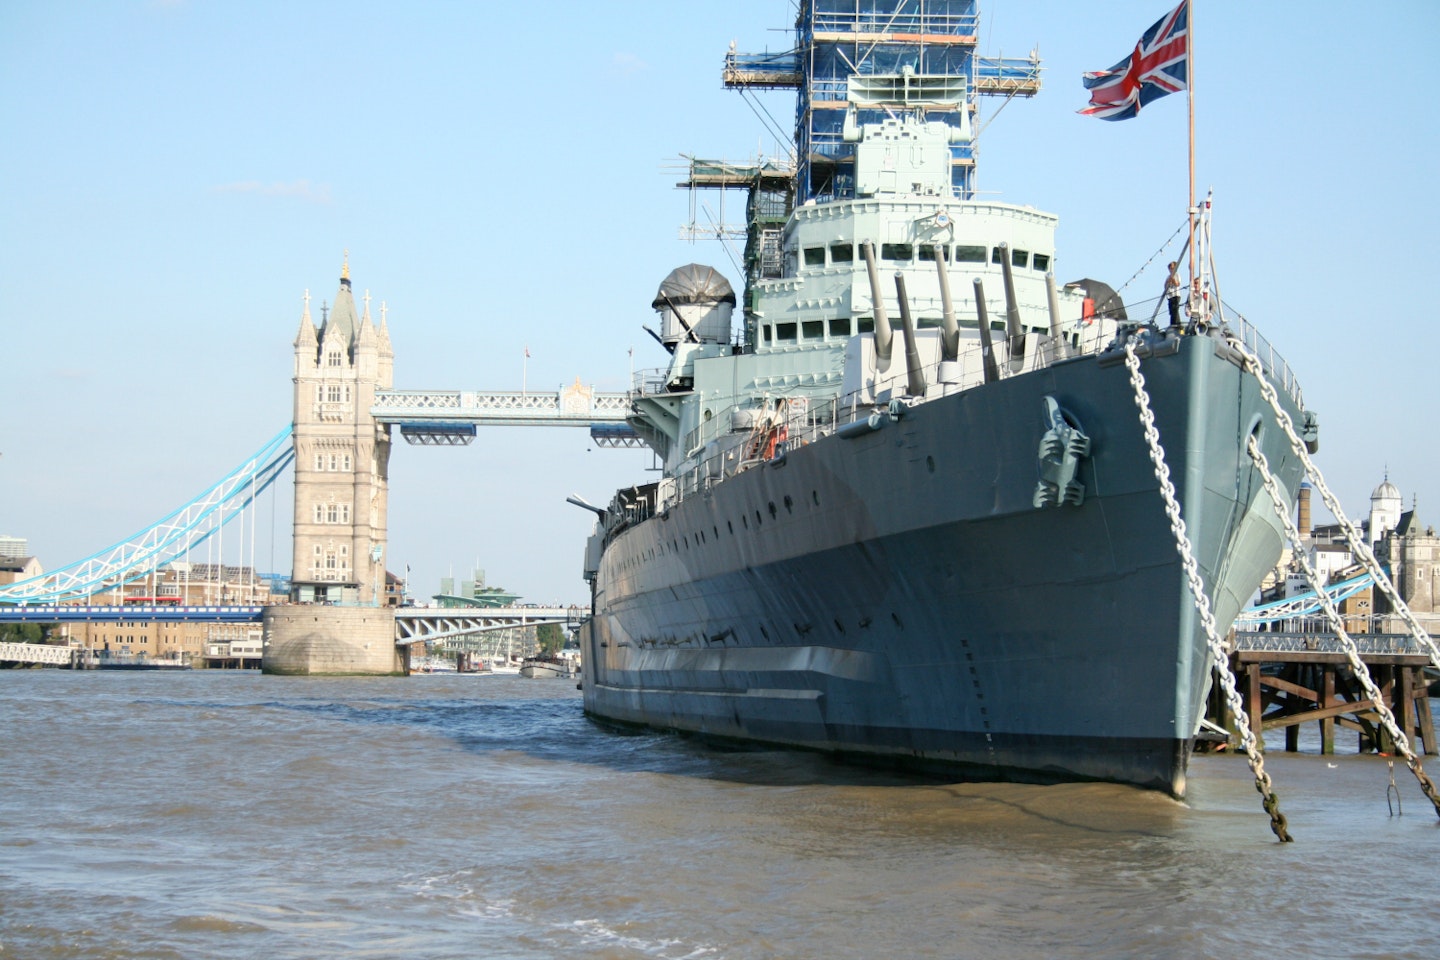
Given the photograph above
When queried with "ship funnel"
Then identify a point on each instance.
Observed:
(884, 336)
(695, 303)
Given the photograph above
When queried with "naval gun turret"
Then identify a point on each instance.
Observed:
(695, 303)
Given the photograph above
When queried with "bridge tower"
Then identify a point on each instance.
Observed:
(342, 454)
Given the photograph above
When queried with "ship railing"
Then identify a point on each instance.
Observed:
(820, 416)
(762, 69)
(648, 382)
(1275, 366)
(1322, 641)
(854, 19)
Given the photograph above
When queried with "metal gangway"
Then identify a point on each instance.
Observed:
(427, 624)
(450, 417)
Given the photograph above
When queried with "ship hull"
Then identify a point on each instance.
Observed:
(896, 595)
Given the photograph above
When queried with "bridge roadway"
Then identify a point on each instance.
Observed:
(160, 612)
(412, 624)
(420, 624)
(430, 417)
(43, 653)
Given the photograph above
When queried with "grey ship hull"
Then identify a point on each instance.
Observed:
(896, 595)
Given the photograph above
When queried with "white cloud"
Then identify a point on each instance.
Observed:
(627, 63)
(298, 189)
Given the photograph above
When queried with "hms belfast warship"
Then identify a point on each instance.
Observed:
(910, 514)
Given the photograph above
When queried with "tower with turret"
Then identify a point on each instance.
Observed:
(341, 454)
(1385, 508)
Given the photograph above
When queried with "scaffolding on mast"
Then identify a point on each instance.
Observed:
(932, 40)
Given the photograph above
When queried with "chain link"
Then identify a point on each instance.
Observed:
(1221, 657)
(1332, 616)
(1356, 541)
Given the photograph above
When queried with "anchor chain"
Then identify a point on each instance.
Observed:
(1263, 785)
(1357, 542)
(1332, 617)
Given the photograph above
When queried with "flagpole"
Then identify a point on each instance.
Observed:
(1190, 99)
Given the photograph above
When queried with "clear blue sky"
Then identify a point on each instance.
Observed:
(176, 174)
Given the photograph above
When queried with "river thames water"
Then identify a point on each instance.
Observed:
(234, 815)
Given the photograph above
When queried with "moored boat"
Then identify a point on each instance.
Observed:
(547, 668)
(915, 519)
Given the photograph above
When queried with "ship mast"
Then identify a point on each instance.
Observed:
(936, 39)
(1194, 212)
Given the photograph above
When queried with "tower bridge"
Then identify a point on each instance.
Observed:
(346, 412)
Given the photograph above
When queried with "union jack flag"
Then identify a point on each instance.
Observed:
(1157, 66)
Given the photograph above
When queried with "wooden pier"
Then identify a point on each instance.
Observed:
(1290, 679)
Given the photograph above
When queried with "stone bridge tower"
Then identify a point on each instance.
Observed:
(341, 454)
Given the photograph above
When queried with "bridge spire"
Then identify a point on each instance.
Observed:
(386, 351)
(306, 337)
(342, 459)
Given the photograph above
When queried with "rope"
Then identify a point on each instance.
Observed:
(1332, 616)
(1357, 542)
(1202, 602)
(1146, 265)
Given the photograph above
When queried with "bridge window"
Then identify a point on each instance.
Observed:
(840, 327)
(899, 252)
(785, 332)
(813, 329)
(1020, 258)
(814, 256)
(969, 254)
(1041, 261)
(842, 253)
(927, 252)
